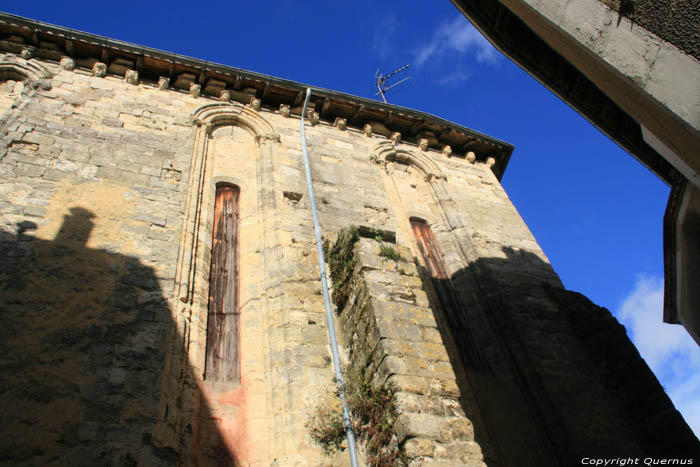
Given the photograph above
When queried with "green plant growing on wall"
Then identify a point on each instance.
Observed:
(389, 252)
(373, 414)
(371, 405)
(341, 263)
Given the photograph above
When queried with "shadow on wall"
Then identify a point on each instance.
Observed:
(550, 378)
(84, 335)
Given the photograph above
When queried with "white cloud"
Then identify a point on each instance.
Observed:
(668, 349)
(383, 35)
(453, 78)
(456, 37)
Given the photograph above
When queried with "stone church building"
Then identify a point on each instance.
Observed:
(160, 300)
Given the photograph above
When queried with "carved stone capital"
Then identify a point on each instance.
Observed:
(99, 69)
(285, 110)
(490, 162)
(313, 117)
(262, 139)
(447, 150)
(471, 157)
(163, 83)
(27, 53)
(340, 123)
(423, 144)
(396, 137)
(195, 90)
(67, 63)
(131, 77)
(367, 130)
(256, 104)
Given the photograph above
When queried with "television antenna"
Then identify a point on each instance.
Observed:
(386, 82)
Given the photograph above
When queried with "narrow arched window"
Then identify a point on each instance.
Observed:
(428, 248)
(445, 290)
(223, 354)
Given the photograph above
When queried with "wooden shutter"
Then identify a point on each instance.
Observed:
(222, 354)
(446, 292)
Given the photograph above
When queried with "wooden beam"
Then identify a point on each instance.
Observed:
(389, 118)
(416, 127)
(298, 98)
(356, 115)
(325, 106)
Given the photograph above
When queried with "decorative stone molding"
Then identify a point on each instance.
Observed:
(423, 144)
(285, 110)
(207, 118)
(313, 117)
(386, 152)
(225, 96)
(367, 130)
(163, 83)
(67, 63)
(447, 150)
(234, 113)
(491, 162)
(395, 137)
(256, 104)
(27, 53)
(195, 90)
(131, 77)
(262, 139)
(24, 69)
(340, 123)
(471, 157)
(99, 69)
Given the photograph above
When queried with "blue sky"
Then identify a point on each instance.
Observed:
(596, 212)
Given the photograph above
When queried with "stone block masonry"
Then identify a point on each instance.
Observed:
(393, 342)
(110, 161)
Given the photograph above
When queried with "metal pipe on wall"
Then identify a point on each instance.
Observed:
(350, 434)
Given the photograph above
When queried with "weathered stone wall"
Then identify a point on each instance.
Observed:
(391, 334)
(107, 203)
(92, 175)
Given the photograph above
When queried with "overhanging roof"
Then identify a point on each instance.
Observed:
(514, 36)
(51, 42)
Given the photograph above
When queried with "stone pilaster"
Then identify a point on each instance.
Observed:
(392, 336)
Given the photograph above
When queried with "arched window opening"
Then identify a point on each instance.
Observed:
(428, 248)
(222, 352)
